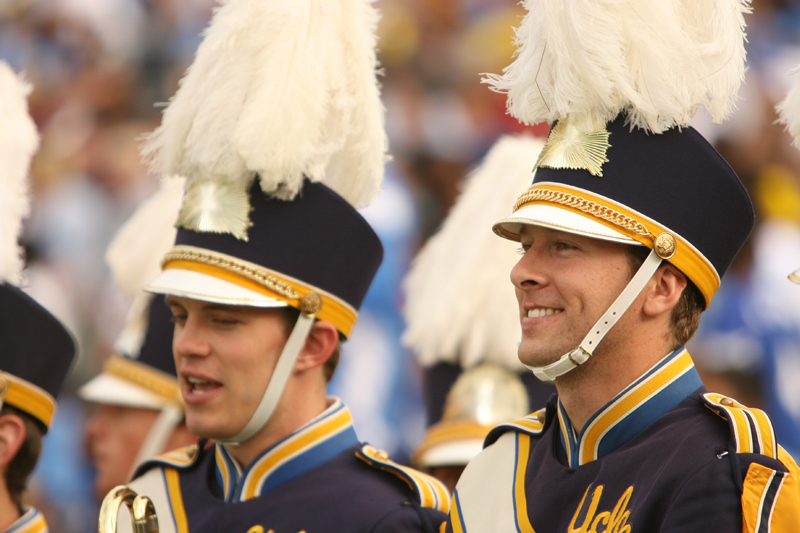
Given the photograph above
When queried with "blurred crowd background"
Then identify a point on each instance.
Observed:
(101, 68)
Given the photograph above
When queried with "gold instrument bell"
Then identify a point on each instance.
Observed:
(142, 510)
(482, 397)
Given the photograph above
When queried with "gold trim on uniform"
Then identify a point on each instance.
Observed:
(432, 493)
(145, 376)
(27, 397)
(752, 428)
(262, 280)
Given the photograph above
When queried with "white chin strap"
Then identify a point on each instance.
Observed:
(582, 353)
(166, 422)
(278, 381)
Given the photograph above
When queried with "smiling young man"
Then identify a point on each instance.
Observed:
(630, 222)
(278, 129)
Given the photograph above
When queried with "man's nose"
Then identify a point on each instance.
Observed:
(189, 339)
(529, 271)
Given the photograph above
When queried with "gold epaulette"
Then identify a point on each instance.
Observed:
(430, 491)
(752, 428)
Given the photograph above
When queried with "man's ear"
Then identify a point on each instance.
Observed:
(319, 346)
(12, 435)
(664, 290)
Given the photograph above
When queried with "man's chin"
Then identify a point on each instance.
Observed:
(204, 430)
(534, 359)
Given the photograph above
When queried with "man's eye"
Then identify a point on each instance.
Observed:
(523, 249)
(177, 319)
(561, 245)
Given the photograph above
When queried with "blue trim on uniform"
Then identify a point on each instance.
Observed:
(236, 474)
(514, 483)
(638, 420)
(458, 510)
(570, 447)
(633, 422)
(163, 473)
(322, 452)
(319, 451)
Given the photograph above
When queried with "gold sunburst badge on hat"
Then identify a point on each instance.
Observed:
(570, 147)
(211, 207)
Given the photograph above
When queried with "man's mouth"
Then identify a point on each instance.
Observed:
(539, 312)
(201, 386)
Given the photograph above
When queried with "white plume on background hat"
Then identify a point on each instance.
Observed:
(460, 303)
(18, 142)
(134, 257)
(789, 115)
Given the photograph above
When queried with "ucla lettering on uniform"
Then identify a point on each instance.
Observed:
(614, 521)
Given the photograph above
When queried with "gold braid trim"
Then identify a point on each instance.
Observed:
(145, 376)
(582, 204)
(271, 282)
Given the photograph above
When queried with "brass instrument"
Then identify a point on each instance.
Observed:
(142, 510)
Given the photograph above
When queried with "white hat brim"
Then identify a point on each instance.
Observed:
(457, 452)
(560, 219)
(112, 390)
(200, 286)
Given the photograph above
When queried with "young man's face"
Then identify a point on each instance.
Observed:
(564, 283)
(225, 356)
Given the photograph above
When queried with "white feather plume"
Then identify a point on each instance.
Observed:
(789, 110)
(134, 257)
(283, 89)
(18, 142)
(460, 303)
(658, 61)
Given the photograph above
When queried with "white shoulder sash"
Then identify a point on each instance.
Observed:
(484, 497)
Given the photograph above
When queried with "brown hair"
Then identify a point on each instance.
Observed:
(685, 315)
(289, 316)
(24, 461)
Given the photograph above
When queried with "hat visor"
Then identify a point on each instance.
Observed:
(556, 218)
(794, 277)
(200, 286)
(112, 390)
(457, 452)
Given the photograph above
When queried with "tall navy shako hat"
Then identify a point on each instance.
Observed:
(673, 183)
(275, 167)
(36, 353)
(621, 162)
(317, 243)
